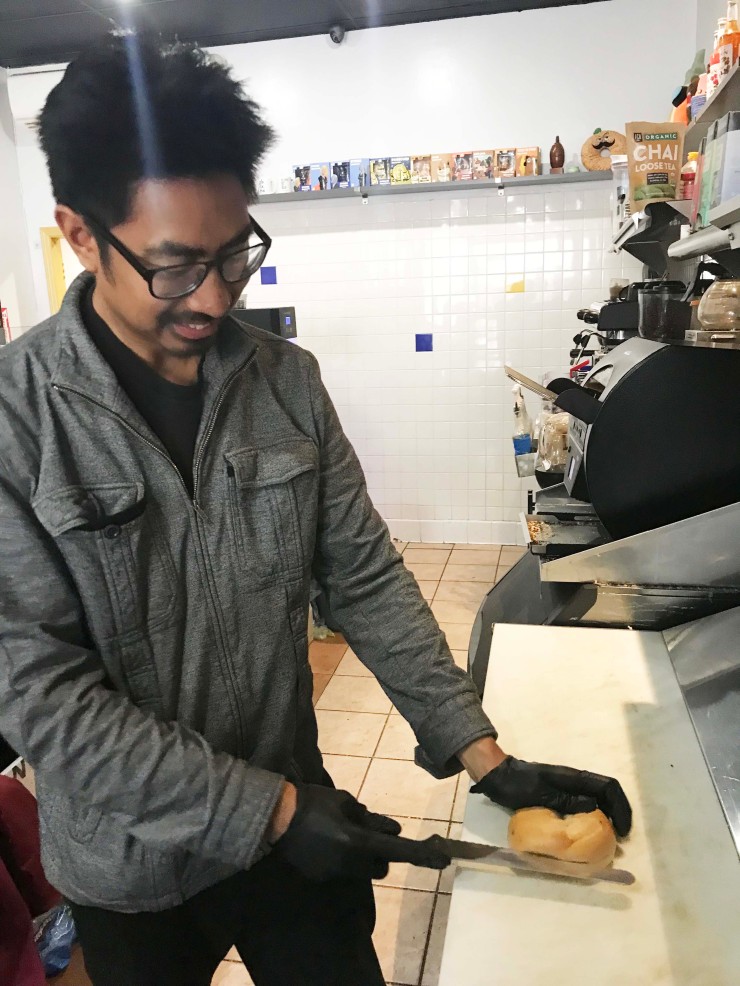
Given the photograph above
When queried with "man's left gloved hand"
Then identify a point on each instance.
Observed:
(519, 784)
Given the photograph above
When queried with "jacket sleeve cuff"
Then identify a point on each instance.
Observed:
(450, 728)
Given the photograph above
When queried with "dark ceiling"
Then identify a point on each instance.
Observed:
(35, 32)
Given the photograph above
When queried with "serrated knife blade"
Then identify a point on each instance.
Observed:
(478, 855)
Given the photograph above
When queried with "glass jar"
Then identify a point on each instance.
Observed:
(719, 309)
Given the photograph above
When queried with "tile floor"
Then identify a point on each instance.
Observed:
(368, 749)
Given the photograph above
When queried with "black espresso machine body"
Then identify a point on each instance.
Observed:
(665, 441)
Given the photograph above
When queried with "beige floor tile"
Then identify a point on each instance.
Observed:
(462, 592)
(353, 666)
(428, 589)
(399, 787)
(461, 659)
(349, 694)
(433, 960)
(490, 556)
(477, 547)
(430, 544)
(401, 932)
(348, 773)
(233, 955)
(454, 612)
(470, 573)
(320, 681)
(400, 546)
(353, 734)
(461, 797)
(410, 877)
(232, 974)
(398, 740)
(428, 555)
(458, 634)
(448, 876)
(425, 571)
(511, 553)
(324, 657)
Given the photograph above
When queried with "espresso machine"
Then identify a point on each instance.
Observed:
(644, 531)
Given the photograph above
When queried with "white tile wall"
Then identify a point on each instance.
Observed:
(432, 430)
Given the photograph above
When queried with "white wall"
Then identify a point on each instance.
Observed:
(449, 85)
(707, 14)
(16, 285)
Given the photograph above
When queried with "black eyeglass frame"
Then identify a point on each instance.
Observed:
(149, 273)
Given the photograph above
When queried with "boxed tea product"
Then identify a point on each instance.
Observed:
(482, 165)
(380, 171)
(359, 172)
(654, 159)
(340, 174)
(302, 178)
(441, 167)
(321, 177)
(400, 171)
(528, 161)
(421, 169)
(462, 166)
(504, 162)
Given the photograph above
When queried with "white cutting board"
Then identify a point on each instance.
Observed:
(605, 700)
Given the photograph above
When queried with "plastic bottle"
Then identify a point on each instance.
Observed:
(713, 72)
(522, 436)
(729, 43)
(688, 177)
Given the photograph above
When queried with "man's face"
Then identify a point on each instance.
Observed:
(176, 221)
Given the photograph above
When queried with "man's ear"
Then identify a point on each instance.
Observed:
(78, 235)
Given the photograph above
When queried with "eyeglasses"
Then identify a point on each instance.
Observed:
(178, 280)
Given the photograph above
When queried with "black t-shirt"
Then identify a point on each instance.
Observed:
(171, 410)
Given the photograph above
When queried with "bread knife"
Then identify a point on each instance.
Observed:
(476, 855)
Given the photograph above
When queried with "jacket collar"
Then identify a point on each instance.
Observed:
(81, 367)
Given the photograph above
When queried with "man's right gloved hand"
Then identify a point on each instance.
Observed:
(333, 837)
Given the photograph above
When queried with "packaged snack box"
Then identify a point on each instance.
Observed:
(340, 174)
(504, 162)
(482, 165)
(321, 177)
(400, 171)
(421, 169)
(528, 161)
(380, 171)
(462, 166)
(302, 178)
(441, 167)
(359, 172)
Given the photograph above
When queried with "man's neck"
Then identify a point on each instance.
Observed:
(175, 369)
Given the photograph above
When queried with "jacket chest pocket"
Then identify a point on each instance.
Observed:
(273, 494)
(112, 542)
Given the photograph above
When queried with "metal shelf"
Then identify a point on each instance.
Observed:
(725, 98)
(433, 187)
(706, 241)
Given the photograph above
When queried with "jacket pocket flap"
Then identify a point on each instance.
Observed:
(274, 465)
(89, 507)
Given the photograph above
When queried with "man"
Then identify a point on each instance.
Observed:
(169, 481)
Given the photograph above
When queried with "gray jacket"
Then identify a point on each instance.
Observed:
(153, 647)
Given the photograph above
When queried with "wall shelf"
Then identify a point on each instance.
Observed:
(725, 98)
(433, 187)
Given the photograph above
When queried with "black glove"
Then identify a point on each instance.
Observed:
(332, 837)
(518, 784)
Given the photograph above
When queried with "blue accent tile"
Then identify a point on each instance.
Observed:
(424, 343)
(268, 275)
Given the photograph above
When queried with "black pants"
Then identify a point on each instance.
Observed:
(289, 931)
